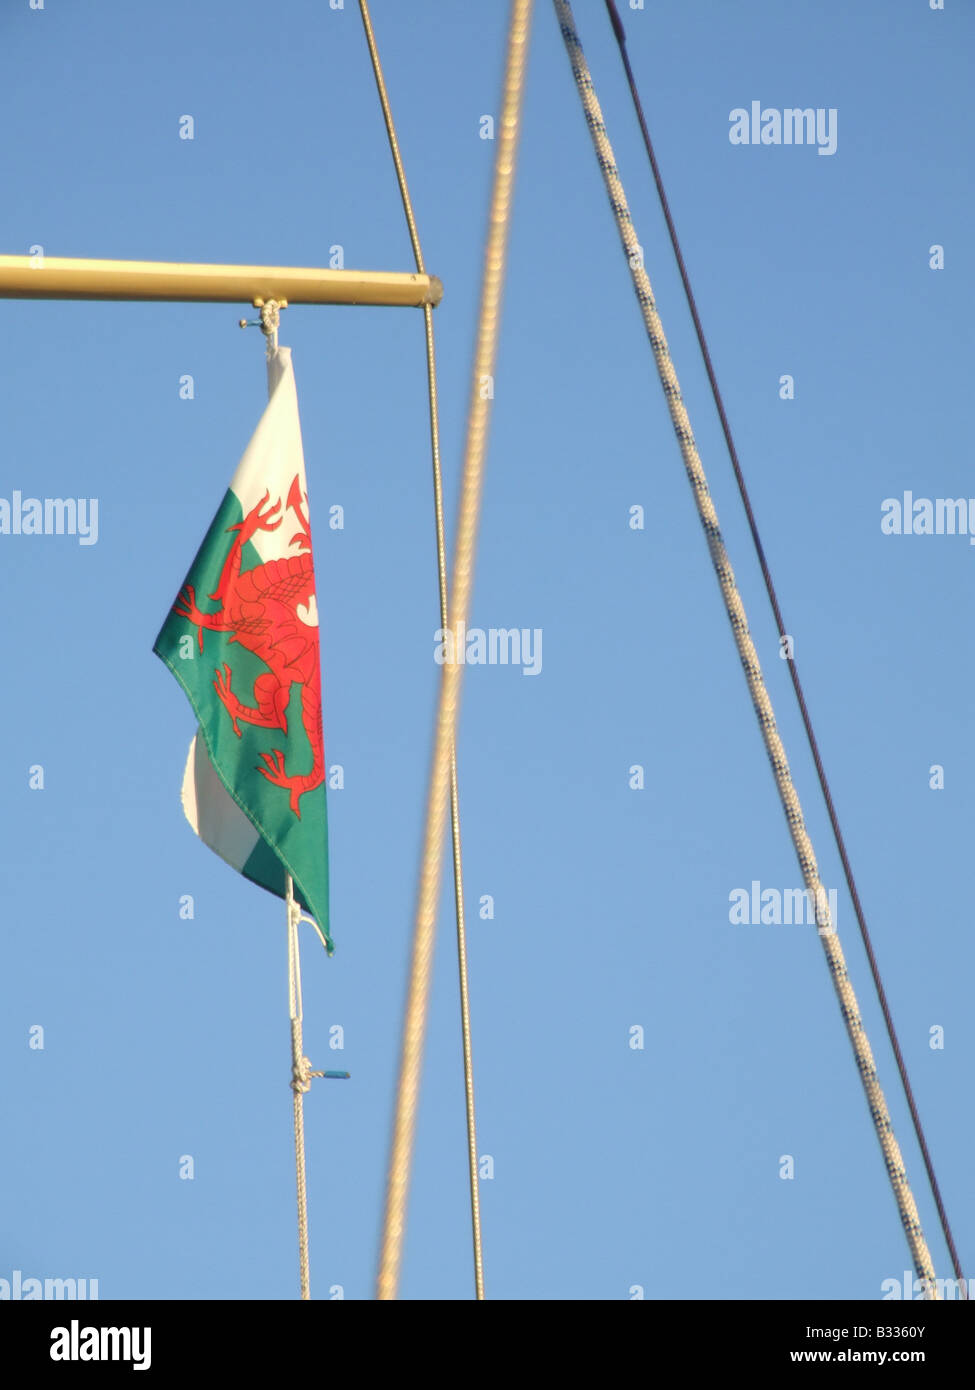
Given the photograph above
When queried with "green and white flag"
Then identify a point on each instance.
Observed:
(242, 640)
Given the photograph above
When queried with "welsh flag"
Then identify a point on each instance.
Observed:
(242, 640)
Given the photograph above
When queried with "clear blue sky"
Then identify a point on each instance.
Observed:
(613, 1167)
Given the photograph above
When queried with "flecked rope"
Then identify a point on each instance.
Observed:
(438, 520)
(414, 1026)
(620, 33)
(301, 1075)
(749, 658)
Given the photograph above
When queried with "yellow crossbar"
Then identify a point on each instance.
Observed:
(55, 277)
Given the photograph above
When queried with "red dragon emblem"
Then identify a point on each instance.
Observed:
(259, 608)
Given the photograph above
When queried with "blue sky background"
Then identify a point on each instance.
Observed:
(613, 1167)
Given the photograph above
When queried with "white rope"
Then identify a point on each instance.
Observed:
(301, 1078)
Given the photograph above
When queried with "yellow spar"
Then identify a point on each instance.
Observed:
(56, 277)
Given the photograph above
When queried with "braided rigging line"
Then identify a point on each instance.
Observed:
(485, 353)
(620, 33)
(301, 1082)
(465, 1011)
(749, 658)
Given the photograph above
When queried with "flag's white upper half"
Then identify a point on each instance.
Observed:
(274, 451)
